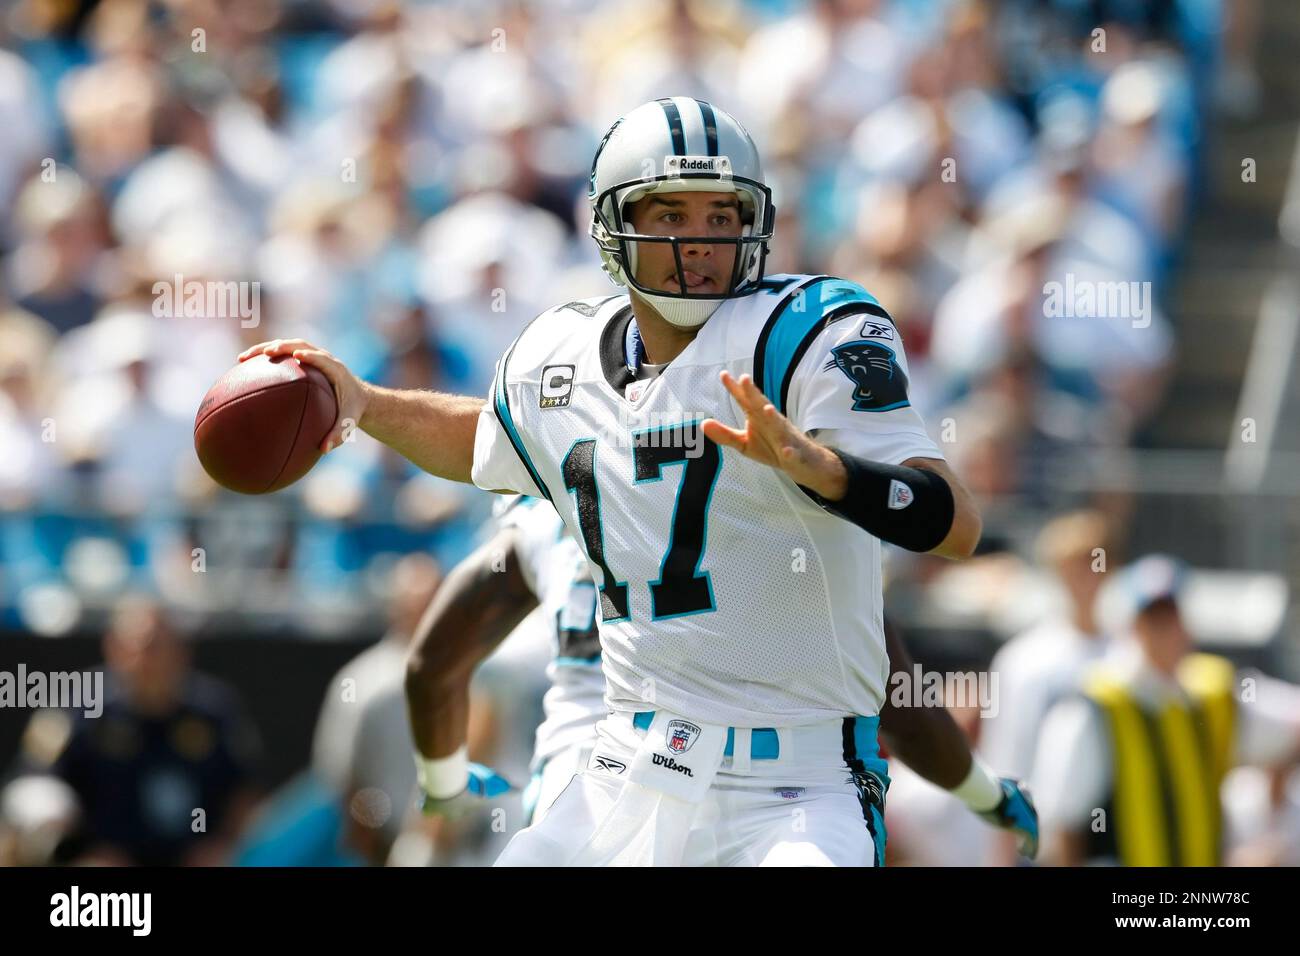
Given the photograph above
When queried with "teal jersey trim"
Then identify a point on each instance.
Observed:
(793, 325)
(501, 403)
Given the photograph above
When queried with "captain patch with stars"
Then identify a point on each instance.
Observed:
(873, 368)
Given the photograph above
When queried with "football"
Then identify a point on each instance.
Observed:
(260, 427)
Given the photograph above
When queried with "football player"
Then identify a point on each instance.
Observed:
(731, 450)
(531, 561)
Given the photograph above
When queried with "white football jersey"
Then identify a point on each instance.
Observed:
(556, 571)
(726, 594)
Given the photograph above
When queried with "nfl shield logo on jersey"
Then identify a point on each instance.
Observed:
(681, 735)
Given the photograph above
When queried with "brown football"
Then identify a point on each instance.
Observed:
(260, 427)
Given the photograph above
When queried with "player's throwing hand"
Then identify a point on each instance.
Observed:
(770, 438)
(349, 391)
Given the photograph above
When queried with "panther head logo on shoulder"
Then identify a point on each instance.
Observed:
(880, 383)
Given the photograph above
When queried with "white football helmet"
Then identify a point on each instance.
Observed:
(679, 144)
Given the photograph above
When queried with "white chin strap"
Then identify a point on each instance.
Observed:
(683, 313)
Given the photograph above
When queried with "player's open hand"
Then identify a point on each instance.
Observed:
(349, 391)
(771, 438)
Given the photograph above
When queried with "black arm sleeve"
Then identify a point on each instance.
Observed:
(910, 507)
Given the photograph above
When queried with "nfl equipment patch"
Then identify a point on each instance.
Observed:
(681, 735)
(900, 495)
(880, 384)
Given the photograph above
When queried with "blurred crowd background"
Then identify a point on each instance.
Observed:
(406, 185)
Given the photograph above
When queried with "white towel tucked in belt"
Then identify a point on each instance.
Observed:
(668, 779)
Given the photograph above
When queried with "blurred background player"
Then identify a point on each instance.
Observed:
(353, 805)
(1129, 770)
(362, 741)
(1037, 668)
(167, 775)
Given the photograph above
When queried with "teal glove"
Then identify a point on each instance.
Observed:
(482, 783)
(1015, 812)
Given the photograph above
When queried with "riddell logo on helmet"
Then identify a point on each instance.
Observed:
(676, 165)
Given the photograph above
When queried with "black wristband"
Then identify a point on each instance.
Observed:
(910, 507)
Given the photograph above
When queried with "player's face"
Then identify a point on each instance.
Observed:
(148, 657)
(706, 266)
(1080, 578)
(1163, 637)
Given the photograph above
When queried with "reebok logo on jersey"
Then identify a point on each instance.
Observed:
(900, 495)
(608, 763)
(875, 329)
(668, 763)
(557, 386)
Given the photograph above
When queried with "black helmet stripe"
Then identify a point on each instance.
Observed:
(710, 126)
(591, 187)
(675, 125)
